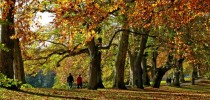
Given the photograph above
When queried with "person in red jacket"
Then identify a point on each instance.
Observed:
(79, 82)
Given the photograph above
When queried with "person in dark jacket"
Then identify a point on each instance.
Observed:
(70, 80)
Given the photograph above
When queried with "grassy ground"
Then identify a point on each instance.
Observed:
(200, 91)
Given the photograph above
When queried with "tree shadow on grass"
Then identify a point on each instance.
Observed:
(198, 87)
(50, 95)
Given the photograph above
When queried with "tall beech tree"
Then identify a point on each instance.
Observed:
(132, 53)
(11, 60)
(18, 62)
(121, 57)
(7, 30)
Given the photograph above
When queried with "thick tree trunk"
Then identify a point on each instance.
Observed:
(158, 77)
(92, 84)
(132, 53)
(154, 62)
(176, 77)
(160, 72)
(99, 79)
(180, 64)
(193, 75)
(120, 62)
(18, 63)
(139, 60)
(132, 70)
(198, 71)
(146, 80)
(177, 72)
(7, 31)
(182, 74)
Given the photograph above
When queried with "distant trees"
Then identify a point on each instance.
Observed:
(41, 79)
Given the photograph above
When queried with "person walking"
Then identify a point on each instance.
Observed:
(79, 82)
(70, 80)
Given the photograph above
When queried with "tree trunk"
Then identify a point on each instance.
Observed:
(18, 63)
(176, 77)
(139, 60)
(132, 70)
(99, 79)
(132, 53)
(198, 71)
(182, 74)
(193, 75)
(178, 71)
(7, 31)
(146, 80)
(120, 61)
(160, 72)
(180, 64)
(92, 84)
(158, 77)
(154, 62)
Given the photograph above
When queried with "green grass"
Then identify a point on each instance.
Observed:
(200, 91)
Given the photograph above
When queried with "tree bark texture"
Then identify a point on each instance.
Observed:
(146, 80)
(193, 75)
(180, 63)
(120, 61)
(176, 77)
(158, 76)
(182, 74)
(132, 70)
(132, 53)
(92, 84)
(7, 31)
(99, 71)
(154, 62)
(178, 72)
(18, 63)
(139, 60)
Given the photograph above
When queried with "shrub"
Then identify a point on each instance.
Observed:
(8, 83)
(207, 75)
(23, 86)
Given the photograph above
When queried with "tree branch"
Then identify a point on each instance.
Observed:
(121, 30)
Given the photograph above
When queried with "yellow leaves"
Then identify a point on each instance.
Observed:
(113, 8)
(62, 1)
(97, 5)
(89, 1)
(90, 34)
(175, 8)
(154, 5)
(3, 3)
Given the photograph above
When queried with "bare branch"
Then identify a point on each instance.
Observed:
(56, 43)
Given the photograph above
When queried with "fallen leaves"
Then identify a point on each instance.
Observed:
(165, 92)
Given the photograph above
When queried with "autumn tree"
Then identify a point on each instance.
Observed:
(12, 65)
(7, 30)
